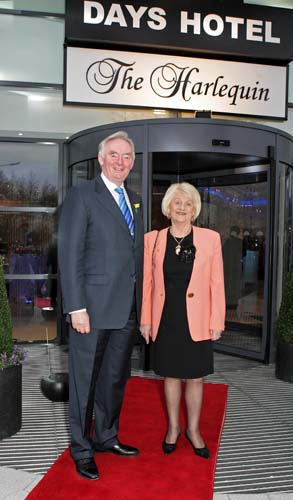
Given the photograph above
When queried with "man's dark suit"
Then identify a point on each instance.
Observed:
(101, 271)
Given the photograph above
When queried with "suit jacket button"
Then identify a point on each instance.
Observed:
(190, 295)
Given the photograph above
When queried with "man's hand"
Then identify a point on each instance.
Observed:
(215, 334)
(80, 321)
(146, 332)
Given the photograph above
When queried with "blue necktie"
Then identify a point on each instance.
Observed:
(125, 210)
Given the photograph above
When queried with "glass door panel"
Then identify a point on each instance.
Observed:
(28, 242)
(236, 206)
(29, 254)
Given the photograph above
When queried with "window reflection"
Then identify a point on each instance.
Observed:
(29, 249)
(83, 171)
(25, 241)
(32, 314)
(28, 243)
(239, 213)
(134, 179)
(28, 175)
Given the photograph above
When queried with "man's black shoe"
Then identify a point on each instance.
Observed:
(123, 450)
(87, 468)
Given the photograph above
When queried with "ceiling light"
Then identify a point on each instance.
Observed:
(159, 112)
(37, 98)
(47, 143)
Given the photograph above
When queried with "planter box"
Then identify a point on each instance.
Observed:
(11, 400)
(284, 361)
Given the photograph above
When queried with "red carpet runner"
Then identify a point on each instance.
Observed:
(152, 475)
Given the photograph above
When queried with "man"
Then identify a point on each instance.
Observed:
(101, 262)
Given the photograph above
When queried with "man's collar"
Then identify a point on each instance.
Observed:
(110, 185)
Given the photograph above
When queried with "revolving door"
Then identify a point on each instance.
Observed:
(236, 203)
(234, 166)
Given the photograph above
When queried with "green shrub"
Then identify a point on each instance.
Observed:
(10, 353)
(285, 319)
(6, 342)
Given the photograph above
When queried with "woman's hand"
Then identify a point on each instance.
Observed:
(215, 334)
(146, 332)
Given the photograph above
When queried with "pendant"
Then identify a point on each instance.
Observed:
(178, 249)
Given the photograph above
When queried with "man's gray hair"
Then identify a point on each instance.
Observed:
(118, 135)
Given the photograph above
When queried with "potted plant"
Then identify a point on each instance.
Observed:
(284, 332)
(11, 358)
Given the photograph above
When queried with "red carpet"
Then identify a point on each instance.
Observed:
(152, 475)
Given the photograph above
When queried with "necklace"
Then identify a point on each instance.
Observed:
(178, 246)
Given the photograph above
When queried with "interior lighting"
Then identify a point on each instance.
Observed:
(37, 98)
(241, 202)
(47, 143)
(159, 112)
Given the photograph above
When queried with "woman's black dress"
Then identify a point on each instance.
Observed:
(175, 354)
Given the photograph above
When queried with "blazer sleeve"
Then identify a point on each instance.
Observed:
(149, 243)
(71, 250)
(217, 288)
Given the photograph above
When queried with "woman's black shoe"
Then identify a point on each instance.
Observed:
(169, 447)
(203, 452)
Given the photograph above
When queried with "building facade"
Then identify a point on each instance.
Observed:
(47, 145)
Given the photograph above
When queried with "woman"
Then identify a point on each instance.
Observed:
(183, 308)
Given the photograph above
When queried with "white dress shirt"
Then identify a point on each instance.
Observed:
(111, 187)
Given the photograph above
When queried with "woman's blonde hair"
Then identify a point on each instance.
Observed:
(186, 188)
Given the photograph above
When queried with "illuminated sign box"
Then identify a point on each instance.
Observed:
(133, 79)
(226, 29)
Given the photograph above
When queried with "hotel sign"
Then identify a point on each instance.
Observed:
(116, 78)
(226, 28)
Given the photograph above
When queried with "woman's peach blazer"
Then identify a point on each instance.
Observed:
(205, 296)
